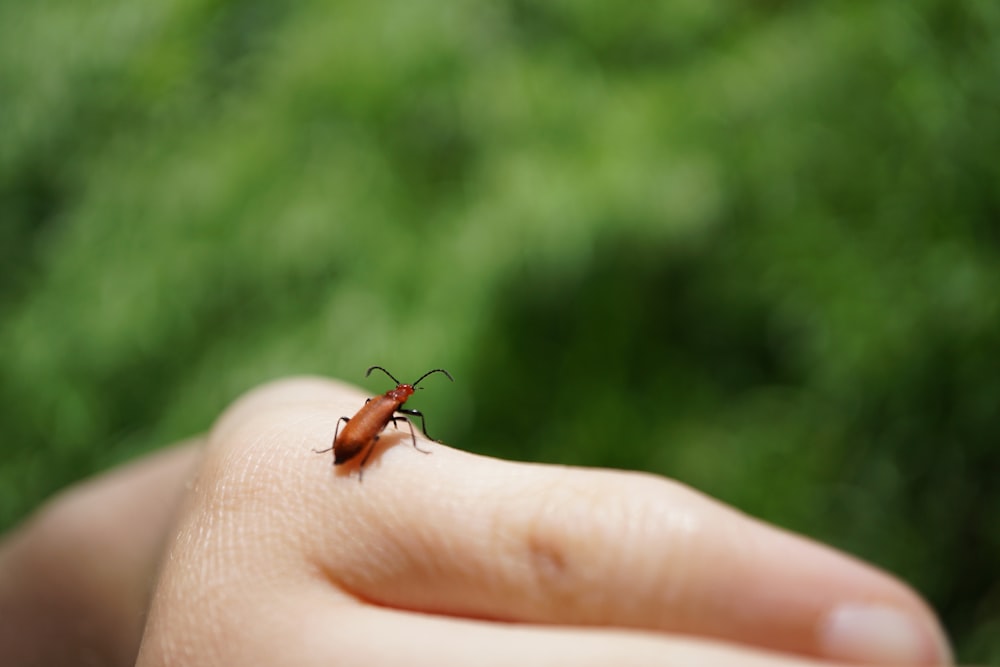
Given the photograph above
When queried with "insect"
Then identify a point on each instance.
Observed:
(361, 431)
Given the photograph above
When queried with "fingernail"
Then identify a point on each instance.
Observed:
(881, 635)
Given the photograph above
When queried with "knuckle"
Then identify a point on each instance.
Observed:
(571, 540)
(250, 466)
(589, 537)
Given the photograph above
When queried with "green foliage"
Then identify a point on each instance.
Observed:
(752, 246)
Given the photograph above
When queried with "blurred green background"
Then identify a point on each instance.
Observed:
(751, 246)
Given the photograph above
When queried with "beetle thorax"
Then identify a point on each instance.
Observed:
(400, 393)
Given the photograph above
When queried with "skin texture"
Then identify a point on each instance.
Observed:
(248, 548)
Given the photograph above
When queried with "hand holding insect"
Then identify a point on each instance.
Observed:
(255, 558)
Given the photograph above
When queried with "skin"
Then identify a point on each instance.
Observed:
(247, 548)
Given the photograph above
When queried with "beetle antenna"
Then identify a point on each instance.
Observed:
(369, 372)
(436, 370)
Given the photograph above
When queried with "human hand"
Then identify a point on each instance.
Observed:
(275, 557)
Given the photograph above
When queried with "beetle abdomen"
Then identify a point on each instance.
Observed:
(347, 450)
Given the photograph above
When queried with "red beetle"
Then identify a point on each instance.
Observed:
(362, 430)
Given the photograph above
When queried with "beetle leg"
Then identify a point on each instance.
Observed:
(335, 432)
(394, 421)
(361, 466)
(413, 434)
(423, 422)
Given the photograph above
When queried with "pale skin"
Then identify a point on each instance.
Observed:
(247, 548)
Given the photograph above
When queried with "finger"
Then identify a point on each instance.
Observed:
(458, 534)
(553, 545)
(75, 579)
(385, 637)
(304, 624)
